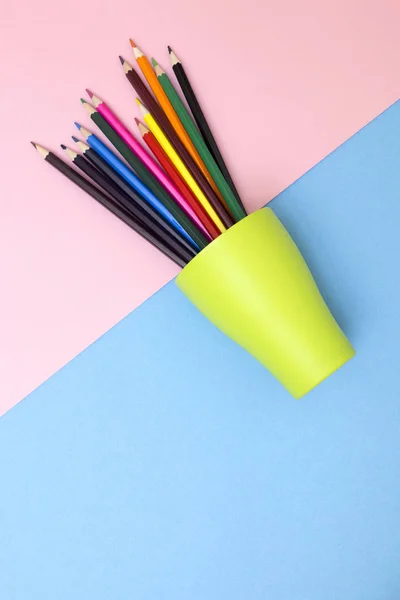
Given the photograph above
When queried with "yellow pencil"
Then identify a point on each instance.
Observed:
(179, 165)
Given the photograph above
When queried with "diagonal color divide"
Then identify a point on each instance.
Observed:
(283, 85)
(165, 463)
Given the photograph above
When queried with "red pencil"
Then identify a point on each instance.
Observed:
(175, 177)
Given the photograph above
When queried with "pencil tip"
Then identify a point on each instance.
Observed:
(136, 121)
(75, 138)
(132, 43)
(77, 125)
(33, 144)
(154, 62)
(89, 93)
(174, 59)
(63, 146)
(122, 60)
(83, 101)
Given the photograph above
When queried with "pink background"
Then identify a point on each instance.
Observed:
(283, 84)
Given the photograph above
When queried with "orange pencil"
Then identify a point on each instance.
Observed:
(152, 80)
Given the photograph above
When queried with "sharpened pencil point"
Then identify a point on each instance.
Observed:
(157, 69)
(122, 60)
(89, 93)
(90, 109)
(42, 151)
(63, 146)
(154, 62)
(169, 49)
(136, 121)
(75, 139)
(136, 50)
(77, 125)
(143, 109)
(174, 59)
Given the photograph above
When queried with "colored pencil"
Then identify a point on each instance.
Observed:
(107, 202)
(200, 119)
(234, 206)
(151, 78)
(173, 173)
(145, 157)
(179, 218)
(174, 157)
(128, 175)
(178, 244)
(107, 170)
(157, 112)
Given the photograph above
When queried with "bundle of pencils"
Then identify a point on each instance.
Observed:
(172, 187)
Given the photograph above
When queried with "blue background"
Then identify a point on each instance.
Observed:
(164, 462)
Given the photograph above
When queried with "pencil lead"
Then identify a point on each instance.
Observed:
(89, 93)
(154, 62)
(169, 49)
(132, 43)
(77, 125)
(75, 138)
(122, 60)
(33, 144)
(83, 101)
(63, 146)
(136, 121)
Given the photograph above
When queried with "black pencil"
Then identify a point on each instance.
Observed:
(173, 238)
(108, 203)
(201, 121)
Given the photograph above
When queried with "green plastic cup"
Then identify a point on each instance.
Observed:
(254, 285)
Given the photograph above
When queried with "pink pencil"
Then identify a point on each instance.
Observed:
(147, 160)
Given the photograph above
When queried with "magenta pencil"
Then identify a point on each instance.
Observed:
(147, 160)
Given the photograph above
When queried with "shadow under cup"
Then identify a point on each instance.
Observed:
(254, 285)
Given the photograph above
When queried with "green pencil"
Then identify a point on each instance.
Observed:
(234, 205)
(148, 179)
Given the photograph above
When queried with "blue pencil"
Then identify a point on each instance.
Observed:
(132, 179)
